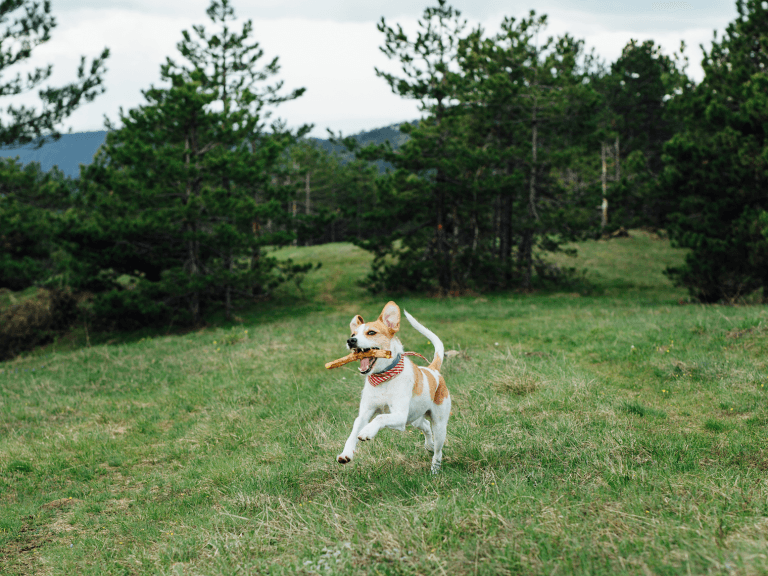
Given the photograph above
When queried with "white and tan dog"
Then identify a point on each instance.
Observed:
(396, 389)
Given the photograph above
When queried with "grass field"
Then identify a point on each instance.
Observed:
(614, 431)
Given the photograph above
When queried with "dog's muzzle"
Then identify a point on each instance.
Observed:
(366, 364)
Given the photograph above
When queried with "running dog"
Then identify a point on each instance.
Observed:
(397, 391)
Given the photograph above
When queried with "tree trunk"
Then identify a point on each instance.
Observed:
(192, 265)
(526, 245)
(604, 179)
(306, 203)
(443, 263)
(228, 287)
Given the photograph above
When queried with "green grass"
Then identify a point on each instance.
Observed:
(613, 432)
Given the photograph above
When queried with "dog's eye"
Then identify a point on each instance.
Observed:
(371, 332)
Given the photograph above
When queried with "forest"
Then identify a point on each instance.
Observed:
(526, 143)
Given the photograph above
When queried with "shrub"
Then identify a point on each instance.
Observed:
(36, 321)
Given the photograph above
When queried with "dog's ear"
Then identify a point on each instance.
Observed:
(356, 322)
(390, 316)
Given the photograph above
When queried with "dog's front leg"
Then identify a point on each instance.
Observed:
(395, 420)
(349, 448)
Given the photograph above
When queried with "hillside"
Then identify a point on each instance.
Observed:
(611, 432)
(67, 153)
(72, 150)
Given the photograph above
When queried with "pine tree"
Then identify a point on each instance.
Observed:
(533, 99)
(426, 62)
(27, 25)
(476, 189)
(32, 203)
(32, 217)
(331, 193)
(186, 184)
(641, 93)
(717, 166)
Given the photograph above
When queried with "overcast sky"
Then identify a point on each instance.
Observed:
(330, 47)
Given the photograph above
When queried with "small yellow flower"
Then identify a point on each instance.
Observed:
(214, 341)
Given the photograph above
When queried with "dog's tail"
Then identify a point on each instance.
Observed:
(437, 361)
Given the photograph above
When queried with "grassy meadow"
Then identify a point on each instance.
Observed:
(616, 430)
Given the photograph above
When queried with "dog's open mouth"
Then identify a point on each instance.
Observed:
(366, 364)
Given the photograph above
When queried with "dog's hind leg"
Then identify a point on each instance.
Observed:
(423, 425)
(439, 434)
(439, 429)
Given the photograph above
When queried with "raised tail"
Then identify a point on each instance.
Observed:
(437, 361)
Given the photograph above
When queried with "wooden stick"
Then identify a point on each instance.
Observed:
(352, 356)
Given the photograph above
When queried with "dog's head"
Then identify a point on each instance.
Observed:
(379, 334)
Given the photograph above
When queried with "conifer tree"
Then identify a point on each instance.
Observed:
(716, 167)
(476, 190)
(532, 99)
(641, 91)
(32, 207)
(27, 25)
(426, 62)
(188, 181)
(32, 203)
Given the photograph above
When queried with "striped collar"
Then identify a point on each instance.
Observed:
(381, 377)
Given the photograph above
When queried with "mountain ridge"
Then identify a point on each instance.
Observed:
(76, 148)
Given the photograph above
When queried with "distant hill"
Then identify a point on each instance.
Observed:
(72, 150)
(391, 134)
(67, 153)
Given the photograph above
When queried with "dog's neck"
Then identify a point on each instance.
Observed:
(397, 349)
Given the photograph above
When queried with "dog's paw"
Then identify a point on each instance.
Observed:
(366, 434)
(435, 469)
(343, 458)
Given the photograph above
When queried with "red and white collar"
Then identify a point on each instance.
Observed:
(381, 377)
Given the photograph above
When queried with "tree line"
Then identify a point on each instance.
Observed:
(526, 142)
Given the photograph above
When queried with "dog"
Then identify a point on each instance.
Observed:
(397, 391)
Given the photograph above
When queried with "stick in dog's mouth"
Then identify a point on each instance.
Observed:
(356, 354)
(366, 364)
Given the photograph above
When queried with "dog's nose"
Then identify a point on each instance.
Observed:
(352, 342)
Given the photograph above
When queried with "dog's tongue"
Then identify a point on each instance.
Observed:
(365, 363)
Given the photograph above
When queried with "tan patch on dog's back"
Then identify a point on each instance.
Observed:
(418, 381)
(431, 381)
(442, 392)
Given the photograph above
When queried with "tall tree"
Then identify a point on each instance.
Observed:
(476, 191)
(32, 207)
(717, 165)
(426, 62)
(32, 204)
(641, 91)
(25, 26)
(534, 100)
(227, 63)
(186, 182)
